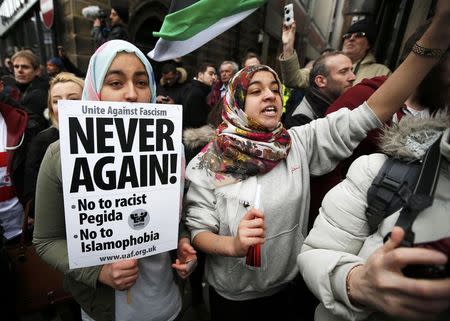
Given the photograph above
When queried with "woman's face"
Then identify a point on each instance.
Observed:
(64, 91)
(263, 100)
(126, 80)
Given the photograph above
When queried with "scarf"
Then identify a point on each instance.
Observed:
(241, 147)
(99, 65)
(318, 101)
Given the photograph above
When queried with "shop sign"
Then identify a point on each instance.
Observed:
(47, 12)
(11, 11)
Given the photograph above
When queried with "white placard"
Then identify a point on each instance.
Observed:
(121, 165)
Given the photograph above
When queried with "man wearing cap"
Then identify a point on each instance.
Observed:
(118, 30)
(54, 66)
(358, 42)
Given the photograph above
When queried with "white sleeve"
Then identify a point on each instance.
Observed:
(333, 138)
(200, 206)
(331, 249)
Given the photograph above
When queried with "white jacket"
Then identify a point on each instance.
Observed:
(340, 237)
(316, 149)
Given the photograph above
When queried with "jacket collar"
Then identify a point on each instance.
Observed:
(411, 137)
(368, 59)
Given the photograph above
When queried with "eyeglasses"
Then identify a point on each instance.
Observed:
(359, 34)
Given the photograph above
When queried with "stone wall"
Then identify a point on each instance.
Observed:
(73, 30)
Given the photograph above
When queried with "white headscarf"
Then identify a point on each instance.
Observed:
(100, 63)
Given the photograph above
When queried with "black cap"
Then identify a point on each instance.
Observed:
(122, 12)
(367, 26)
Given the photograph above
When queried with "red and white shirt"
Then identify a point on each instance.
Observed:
(11, 211)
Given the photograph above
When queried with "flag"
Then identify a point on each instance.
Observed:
(192, 23)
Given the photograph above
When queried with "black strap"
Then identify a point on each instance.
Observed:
(390, 189)
(423, 193)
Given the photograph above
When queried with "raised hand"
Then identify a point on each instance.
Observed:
(380, 283)
(120, 275)
(288, 39)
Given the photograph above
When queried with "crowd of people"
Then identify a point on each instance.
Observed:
(309, 159)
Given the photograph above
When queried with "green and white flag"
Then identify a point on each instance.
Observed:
(192, 23)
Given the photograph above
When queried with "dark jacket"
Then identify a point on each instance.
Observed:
(195, 107)
(177, 90)
(70, 67)
(103, 34)
(34, 95)
(35, 154)
(313, 105)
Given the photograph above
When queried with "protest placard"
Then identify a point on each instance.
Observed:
(121, 166)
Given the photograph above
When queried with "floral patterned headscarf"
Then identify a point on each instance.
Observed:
(99, 65)
(241, 147)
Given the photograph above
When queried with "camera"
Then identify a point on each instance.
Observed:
(94, 12)
(427, 271)
(430, 271)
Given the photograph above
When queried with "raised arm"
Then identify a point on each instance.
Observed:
(412, 71)
(291, 73)
(288, 39)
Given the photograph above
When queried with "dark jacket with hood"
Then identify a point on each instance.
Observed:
(33, 96)
(35, 155)
(195, 107)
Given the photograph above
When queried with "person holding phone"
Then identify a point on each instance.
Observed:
(292, 75)
(358, 42)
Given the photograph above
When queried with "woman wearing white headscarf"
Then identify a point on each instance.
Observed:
(118, 71)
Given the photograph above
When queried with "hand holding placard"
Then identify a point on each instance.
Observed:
(120, 275)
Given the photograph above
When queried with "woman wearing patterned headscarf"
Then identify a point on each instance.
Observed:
(252, 152)
(118, 71)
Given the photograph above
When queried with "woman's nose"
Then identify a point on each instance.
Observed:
(131, 93)
(269, 94)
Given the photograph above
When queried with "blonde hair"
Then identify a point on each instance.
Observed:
(62, 77)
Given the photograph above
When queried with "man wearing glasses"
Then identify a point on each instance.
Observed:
(358, 42)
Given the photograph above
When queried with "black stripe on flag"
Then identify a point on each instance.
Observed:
(177, 5)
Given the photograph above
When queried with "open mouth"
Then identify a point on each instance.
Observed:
(269, 111)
